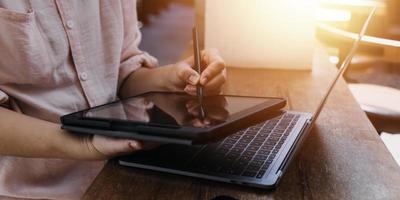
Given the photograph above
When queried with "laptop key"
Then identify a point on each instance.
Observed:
(230, 141)
(265, 166)
(255, 166)
(252, 148)
(235, 137)
(247, 158)
(256, 143)
(240, 146)
(249, 173)
(260, 157)
(260, 173)
(235, 151)
(245, 140)
(248, 153)
(263, 152)
(270, 142)
(267, 147)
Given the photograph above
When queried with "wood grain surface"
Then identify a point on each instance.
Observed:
(343, 157)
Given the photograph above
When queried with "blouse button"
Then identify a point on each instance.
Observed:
(83, 76)
(70, 24)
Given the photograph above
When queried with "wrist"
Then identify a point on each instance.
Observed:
(170, 82)
(145, 80)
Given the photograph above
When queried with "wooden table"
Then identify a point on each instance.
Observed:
(343, 157)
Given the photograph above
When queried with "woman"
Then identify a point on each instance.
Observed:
(57, 57)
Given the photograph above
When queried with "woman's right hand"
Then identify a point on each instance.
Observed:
(102, 147)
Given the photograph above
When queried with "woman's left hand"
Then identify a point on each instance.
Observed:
(213, 75)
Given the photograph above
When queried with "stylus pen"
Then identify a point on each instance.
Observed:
(197, 63)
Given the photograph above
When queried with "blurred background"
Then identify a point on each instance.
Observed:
(373, 77)
(166, 30)
(374, 74)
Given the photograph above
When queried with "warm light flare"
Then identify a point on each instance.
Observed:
(333, 15)
(334, 59)
(260, 33)
(267, 33)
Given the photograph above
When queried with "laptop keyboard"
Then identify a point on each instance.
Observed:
(248, 152)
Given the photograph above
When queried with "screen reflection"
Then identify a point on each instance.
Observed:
(166, 109)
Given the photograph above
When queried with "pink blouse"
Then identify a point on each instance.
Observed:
(57, 57)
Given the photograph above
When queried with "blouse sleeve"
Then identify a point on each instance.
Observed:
(132, 57)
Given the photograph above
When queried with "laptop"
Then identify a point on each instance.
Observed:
(257, 156)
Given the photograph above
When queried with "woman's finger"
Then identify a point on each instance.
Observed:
(187, 74)
(218, 114)
(191, 103)
(215, 84)
(194, 112)
(214, 64)
(212, 70)
(192, 108)
(199, 123)
(111, 147)
(191, 90)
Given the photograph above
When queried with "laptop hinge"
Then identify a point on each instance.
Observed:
(289, 155)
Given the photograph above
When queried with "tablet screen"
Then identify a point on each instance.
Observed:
(177, 109)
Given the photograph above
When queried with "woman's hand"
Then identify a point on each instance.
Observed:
(213, 76)
(214, 110)
(102, 147)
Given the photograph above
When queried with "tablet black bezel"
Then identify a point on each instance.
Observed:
(192, 133)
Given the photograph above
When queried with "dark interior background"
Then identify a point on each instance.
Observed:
(167, 26)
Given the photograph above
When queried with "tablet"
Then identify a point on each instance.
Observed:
(173, 117)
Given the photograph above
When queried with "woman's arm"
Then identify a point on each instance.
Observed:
(178, 77)
(25, 136)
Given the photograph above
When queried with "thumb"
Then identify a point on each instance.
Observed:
(188, 75)
(110, 147)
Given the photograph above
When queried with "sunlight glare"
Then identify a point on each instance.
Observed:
(262, 32)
